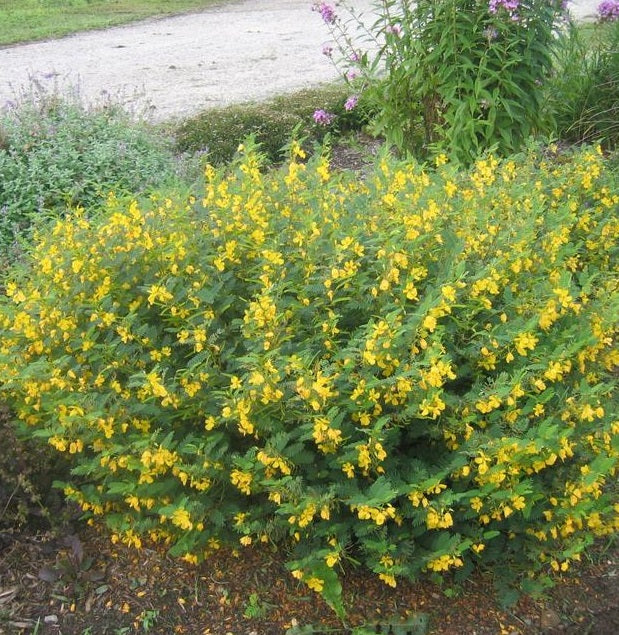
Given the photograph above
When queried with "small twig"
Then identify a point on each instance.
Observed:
(11, 498)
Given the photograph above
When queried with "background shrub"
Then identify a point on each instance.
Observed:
(219, 131)
(415, 371)
(55, 153)
(468, 75)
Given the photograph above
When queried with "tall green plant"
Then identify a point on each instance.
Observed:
(459, 75)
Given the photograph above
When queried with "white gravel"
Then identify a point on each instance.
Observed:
(241, 50)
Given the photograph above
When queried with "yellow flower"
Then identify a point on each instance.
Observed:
(525, 342)
(242, 481)
(387, 578)
(492, 403)
(449, 293)
(316, 584)
(431, 408)
(476, 503)
(307, 515)
(190, 558)
(158, 293)
(180, 518)
(429, 323)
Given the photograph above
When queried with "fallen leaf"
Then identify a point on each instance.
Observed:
(95, 575)
(21, 624)
(47, 574)
(76, 547)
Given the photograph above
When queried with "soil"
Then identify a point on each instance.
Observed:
(108, 588)
(240, 50)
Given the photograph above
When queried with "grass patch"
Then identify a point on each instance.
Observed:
(28, 20)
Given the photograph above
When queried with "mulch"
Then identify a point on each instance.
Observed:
(82, 584)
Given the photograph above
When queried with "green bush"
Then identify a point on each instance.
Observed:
(415, 370)
(584, 92)
(54, 153)
(219, 131)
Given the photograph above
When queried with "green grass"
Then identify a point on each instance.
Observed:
(26, 20)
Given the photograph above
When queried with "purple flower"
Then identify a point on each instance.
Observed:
(395, 29)
(327, 11)
(351, 102)
(511, 6)
(609, 10)
(323, 118)
(327, 50)
(352, 74)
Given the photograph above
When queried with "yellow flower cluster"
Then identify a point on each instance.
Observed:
(242, 481)
(378, 515)
(444, 563)
(327, 438)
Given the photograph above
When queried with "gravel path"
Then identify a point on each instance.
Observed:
(241, 50)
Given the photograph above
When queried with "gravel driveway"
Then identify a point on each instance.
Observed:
(240, 50)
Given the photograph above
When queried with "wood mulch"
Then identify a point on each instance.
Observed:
(82, 584)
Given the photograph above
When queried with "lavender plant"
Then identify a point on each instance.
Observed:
(461, 76)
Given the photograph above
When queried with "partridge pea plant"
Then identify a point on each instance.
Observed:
(414, 371)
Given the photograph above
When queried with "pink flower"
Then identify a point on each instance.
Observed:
(511, 6)
(323, 118)
(327, 11)
(395, 29)
(351, 102)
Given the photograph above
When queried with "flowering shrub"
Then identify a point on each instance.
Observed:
(461, 75)
(414, 370)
